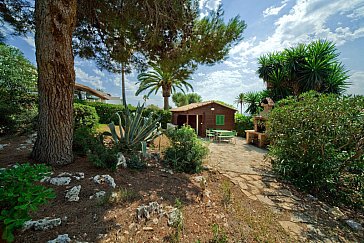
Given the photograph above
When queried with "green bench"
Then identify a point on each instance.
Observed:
(226, 135)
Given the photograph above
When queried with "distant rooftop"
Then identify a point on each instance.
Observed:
(196, 105)
(94, 92)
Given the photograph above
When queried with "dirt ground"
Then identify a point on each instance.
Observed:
(218, 202)
(241, 197)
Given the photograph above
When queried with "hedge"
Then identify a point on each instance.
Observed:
(317, 142)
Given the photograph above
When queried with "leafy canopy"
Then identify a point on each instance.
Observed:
(313, 66)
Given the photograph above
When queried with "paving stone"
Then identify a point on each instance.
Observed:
(286, 206)
(253, 197)
(248, 194)
(291, 227)
(265, 200)
(243, 185)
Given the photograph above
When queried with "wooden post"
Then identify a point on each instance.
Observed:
(197, 124)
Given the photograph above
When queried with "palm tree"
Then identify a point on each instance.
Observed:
(165, 79)
(252, 99)
(240, 100)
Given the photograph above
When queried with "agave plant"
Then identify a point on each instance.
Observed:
(134, 129)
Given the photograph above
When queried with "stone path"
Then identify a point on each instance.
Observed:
(245, 165)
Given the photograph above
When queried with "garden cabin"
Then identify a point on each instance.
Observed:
(204, 115)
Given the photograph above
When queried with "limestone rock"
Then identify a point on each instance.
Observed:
(167, 171)
(64, 174)
(104, 178)
(61, 239)
(42, 224)
(121, 160)
(148, 229)
(174, 217)
(72, 194)
(354, 225)
(336, 212)
(144, 211)
(60, 181)
(79, 175)
(2, 146)
(98, 195)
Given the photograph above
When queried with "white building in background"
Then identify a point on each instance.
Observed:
(114, 100)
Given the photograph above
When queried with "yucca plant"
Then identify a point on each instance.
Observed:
(134, 129)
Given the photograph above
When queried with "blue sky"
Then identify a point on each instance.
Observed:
(272, 26)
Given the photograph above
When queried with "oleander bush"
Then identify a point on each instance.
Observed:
(85, 116)
(20, 193)
(317, 142)
(186, 151)
(242, 123)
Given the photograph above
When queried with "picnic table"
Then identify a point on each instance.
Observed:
(224, 135)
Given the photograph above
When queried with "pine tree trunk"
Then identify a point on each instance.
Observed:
(55, 22)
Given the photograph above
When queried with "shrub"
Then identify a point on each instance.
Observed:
(163, 115)
(102, 156)
(106, 112)
(84, 139)
(85, 116)
(136, 132)
(87, 142)
(243, 123)
(186, 152)
(19, 194)
(17, 90)
(317, 143)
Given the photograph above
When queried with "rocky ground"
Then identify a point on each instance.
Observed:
(237, 198)
(301, 215)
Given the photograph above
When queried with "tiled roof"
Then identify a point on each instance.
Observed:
(196, 105)
(94, 92)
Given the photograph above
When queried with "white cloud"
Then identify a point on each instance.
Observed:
(30, 41)
(225, 85)
(98, 72)
(273, 10)
(208, 5)
(306, 21)
(94, 81)
(357, 83)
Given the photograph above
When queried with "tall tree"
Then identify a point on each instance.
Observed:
(181, 99)
(90, 22)
(240, 100)
(313, 66)
(207, 42)
(17, 87)
(167, 81)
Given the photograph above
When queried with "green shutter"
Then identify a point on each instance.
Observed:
(220, 120)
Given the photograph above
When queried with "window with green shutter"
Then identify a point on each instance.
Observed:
(220, 119)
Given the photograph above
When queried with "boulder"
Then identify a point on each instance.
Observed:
(61, 239)
(72, 194)
(60, 181)
(42, 224)
(99, 179)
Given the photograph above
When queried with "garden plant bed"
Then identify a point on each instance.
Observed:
(101, 221)
(220, 202)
